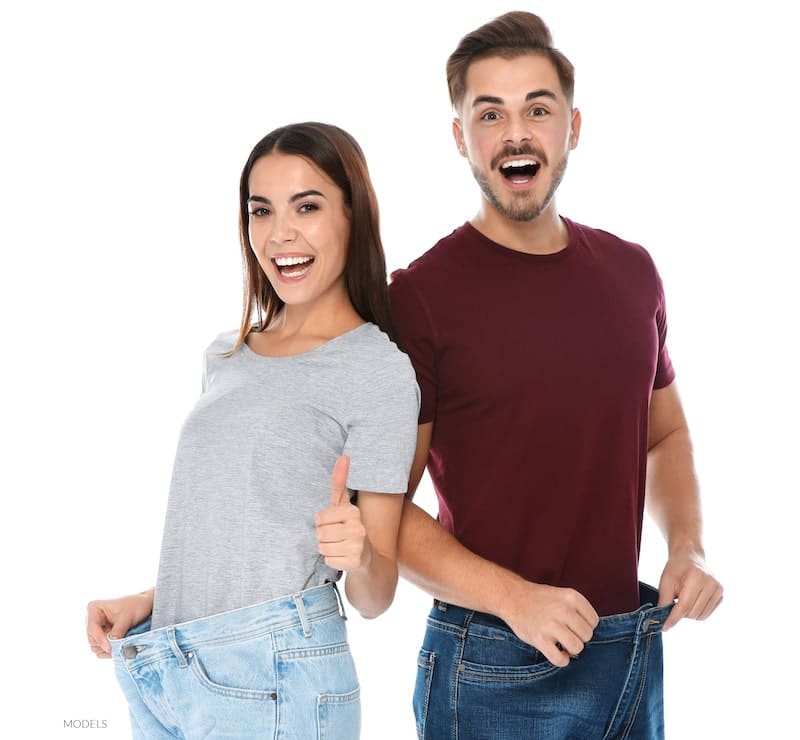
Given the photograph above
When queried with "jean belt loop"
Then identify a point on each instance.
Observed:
(468, 615)
(301, 610)
(340, 600)
(173, 643)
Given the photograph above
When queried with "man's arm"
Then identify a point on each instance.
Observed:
(435, 561)
(673, 501)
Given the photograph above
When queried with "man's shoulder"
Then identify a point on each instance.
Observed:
(602, 239)
(435, 258)
(607, 244)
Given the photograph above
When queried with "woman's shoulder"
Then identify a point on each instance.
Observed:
(377, 373)
(223, 342)
(381, 360)
(372, 340)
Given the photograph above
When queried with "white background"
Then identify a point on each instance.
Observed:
(124, 129)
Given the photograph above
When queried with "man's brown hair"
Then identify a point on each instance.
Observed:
(508, 36)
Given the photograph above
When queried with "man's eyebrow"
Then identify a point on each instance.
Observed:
(543, 93)
(491, 99)
(296, 196)
(532, 95)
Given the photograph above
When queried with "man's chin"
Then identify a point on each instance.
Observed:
(517, 209)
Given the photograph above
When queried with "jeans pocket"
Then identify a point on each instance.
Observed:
(498, 656)
(478, 673)
(494, 646)
(422, 689)
(339, 715)
(318, 690)
(237, 670)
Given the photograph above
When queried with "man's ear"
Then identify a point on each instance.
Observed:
(458, 135)
(575, 131)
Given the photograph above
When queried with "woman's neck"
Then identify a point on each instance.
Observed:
(302, 328)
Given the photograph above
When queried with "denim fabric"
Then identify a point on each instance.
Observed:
(477, 681)
(281, 669)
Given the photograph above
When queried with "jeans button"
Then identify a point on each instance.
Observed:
(648, 623)
(130, 651)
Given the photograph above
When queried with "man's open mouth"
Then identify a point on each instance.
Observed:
(520, 170)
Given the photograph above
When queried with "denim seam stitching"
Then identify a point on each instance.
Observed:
(446, 627)
(347, 698)
(505, 677)
(167, 710)
(428, 668)
(317, 652)
(161, 655)
(227, 639)
(278, 683)
(455, 675)
(615, 716)
(635, 709)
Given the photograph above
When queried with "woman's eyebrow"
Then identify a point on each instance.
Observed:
(296, 196)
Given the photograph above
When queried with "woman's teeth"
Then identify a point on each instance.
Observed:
(293, 266)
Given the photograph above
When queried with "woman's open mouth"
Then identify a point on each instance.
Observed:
(293, 268)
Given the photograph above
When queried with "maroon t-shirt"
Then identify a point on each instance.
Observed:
(537, 372)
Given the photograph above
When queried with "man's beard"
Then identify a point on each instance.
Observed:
(523, 206)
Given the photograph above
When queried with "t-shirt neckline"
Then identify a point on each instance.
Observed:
(499, 248)
(300, 355)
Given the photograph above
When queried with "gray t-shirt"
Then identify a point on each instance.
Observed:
(254, 463)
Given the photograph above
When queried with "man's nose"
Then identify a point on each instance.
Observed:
(517, 130)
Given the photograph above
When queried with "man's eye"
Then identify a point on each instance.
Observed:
(539, 112)
(490, 115)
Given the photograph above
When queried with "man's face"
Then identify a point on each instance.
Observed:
(516, 128)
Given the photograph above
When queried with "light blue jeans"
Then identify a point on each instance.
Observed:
(281, 669)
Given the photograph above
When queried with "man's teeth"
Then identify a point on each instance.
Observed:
(289, 261)
(520, 163)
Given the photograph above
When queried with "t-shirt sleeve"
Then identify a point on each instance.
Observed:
(416, 337)
(382, 429)
(665, 373)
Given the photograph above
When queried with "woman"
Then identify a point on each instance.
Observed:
(243, 635)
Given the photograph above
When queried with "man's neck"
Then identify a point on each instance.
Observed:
(545, 234)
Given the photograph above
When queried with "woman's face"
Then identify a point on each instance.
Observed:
(299, 229)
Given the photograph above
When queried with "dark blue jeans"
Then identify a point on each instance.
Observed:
(477, 681)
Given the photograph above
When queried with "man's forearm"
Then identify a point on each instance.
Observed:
(673, 493)
(431, 558)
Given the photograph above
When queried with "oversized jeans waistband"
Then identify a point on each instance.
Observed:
(142, 645)
(648, 618)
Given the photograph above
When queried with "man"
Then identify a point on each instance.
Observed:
(550, 419)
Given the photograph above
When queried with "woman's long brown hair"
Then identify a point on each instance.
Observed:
(338, 155)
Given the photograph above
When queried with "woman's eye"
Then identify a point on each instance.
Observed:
(308, 208)
(260, 212)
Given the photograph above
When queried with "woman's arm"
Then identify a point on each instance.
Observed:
(115, 617)
(362, 540)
